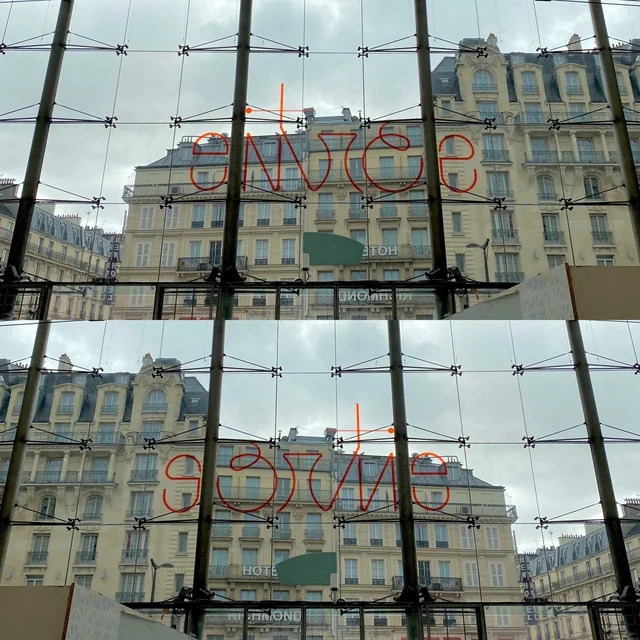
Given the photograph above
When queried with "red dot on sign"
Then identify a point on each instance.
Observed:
(390, 430)
(249, 110)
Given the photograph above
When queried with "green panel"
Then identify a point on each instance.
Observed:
(308, 569)
(330, 249)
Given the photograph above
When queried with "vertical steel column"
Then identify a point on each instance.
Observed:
(410, 593)
(619, 559)
(205, 512)
(620, 130)
(29, 193)
(19, 450)
(434, 194)
(229, 273)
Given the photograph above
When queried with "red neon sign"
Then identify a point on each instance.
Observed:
(242, 462)
(394, 141)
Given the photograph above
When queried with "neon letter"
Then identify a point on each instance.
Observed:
(197, 152)
(443, 472)
(197, 479)
(441, 161)
(235, 465)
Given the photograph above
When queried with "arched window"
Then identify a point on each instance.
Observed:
(93, 508)
(592, 188)
(156, 401)
(483, 80)
(47, 508)
(546, 188)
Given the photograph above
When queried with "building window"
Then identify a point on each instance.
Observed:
(493, 541)
(264, 214)
(391, 275)
(442, 541)
(83, 580)
(572, 82)
(508, 267)
(262, 252)
(47, 509)
(600, 229)
(65, 404)
(168, 254)
(183, 541)
(247, 595)
(146, 218)
(131, 587)
(137, 297)
(546, 188)
(460, 262)
(471, 574)
(93, 508)
(39, 549)
(156, 400)
(142, 254)
(605, 261)
(34, 580)
(483, 80)
(178, 582)
(529, 84)
(171, 217)
(197, 216)
(497, 575)
(141, 504)
(288, 251)
(377, 572)
(110, 402)
(351, 571)
(467, 537)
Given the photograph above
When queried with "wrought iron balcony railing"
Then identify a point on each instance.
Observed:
(205, 263)
(432, 583)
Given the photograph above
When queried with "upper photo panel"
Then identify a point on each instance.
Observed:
(319, 159)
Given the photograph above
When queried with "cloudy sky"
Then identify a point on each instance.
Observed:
(147, 85)
(487, 404)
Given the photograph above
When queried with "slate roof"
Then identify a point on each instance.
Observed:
(446, 81)
(456, 476)
(62, 229)
(194, 400)
(574, 550)
(183, 156)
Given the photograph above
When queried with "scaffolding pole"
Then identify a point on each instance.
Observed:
(19, 449)
(229, 273)
(410, 593)
(620, 130)
(434, 194)
(613, 526)
(29, 193)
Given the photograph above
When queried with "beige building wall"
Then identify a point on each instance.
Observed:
(128, 477)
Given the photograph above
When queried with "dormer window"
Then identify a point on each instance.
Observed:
(483, 80)
(156, 400)
(65, 405)
(573, 84)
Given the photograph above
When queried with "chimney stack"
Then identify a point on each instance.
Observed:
(574, 43)
(147, 361)
(492, 41)
(65, 363)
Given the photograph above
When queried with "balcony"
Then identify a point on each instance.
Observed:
(197, 224)
(221, 531)
(86, 557)
(314, 535)
(554, 237)
(289, 222)
(602, 237)
(206, 263)
(130, 596)
(509, 276)
(432, 583)
(592, 157)
(499, 192)
(349, 542)
(217, 224)
(548, 196)
(134, 556)
(144, 475)
(109, 409)
(484, 86)
(251, 531)
(375, 542)
(263, 222)
(505, 236)
(139, 513)
(542, 157)
(218, 571)
(47, 477)
(325, 215)
(418, 211)
(37, 557)
(287, 261)
(388, 211)
(95, 477)
(282, 533)
(495, 155)
(92, 516)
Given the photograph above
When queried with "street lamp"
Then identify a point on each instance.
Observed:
(154, 570)
(485, 253)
